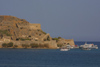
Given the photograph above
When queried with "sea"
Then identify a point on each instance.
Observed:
(50, 57)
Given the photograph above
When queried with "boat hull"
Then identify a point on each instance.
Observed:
(88, 46)
(64, 49)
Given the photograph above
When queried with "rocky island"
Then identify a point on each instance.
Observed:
(19, 33)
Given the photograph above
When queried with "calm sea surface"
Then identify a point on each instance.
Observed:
(50, 57)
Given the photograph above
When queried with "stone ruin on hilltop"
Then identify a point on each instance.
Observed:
(19, 31)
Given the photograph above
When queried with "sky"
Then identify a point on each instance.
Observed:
(69, 19)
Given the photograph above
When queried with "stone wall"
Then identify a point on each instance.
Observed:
(35, 26)
(70, 41)
(66, 41)
(52, 44)
(46, 37)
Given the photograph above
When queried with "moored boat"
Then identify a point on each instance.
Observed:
(88, 46)
(65, 48)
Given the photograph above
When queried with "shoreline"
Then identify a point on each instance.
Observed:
(24, 48)
(28, 48)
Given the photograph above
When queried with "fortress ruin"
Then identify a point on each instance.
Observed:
(20, 31)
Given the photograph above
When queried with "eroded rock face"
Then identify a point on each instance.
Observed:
(19, 28)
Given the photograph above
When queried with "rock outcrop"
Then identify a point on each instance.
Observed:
(19, 28)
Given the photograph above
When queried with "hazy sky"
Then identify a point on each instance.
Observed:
(77, 19)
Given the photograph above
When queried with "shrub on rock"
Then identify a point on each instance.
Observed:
(10, 44)
(4, 45)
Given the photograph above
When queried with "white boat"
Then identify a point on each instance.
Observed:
(88, 46)
(64, 49)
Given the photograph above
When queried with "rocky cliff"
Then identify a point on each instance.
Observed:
(16, 28)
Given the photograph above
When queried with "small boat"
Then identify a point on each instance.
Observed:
(88, 46)
(65, 48)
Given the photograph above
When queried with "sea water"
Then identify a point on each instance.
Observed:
(50, 57)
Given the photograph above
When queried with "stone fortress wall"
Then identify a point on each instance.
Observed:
(66, 42)
(35, 26)
(52, 44)
(21, 23)
(30, 26)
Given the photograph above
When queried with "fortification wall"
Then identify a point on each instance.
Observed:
(35, 26)
(52, 44)
(70, 41)
(46, 37)
(66, 41)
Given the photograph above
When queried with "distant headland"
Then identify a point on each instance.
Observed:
(19, 33)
